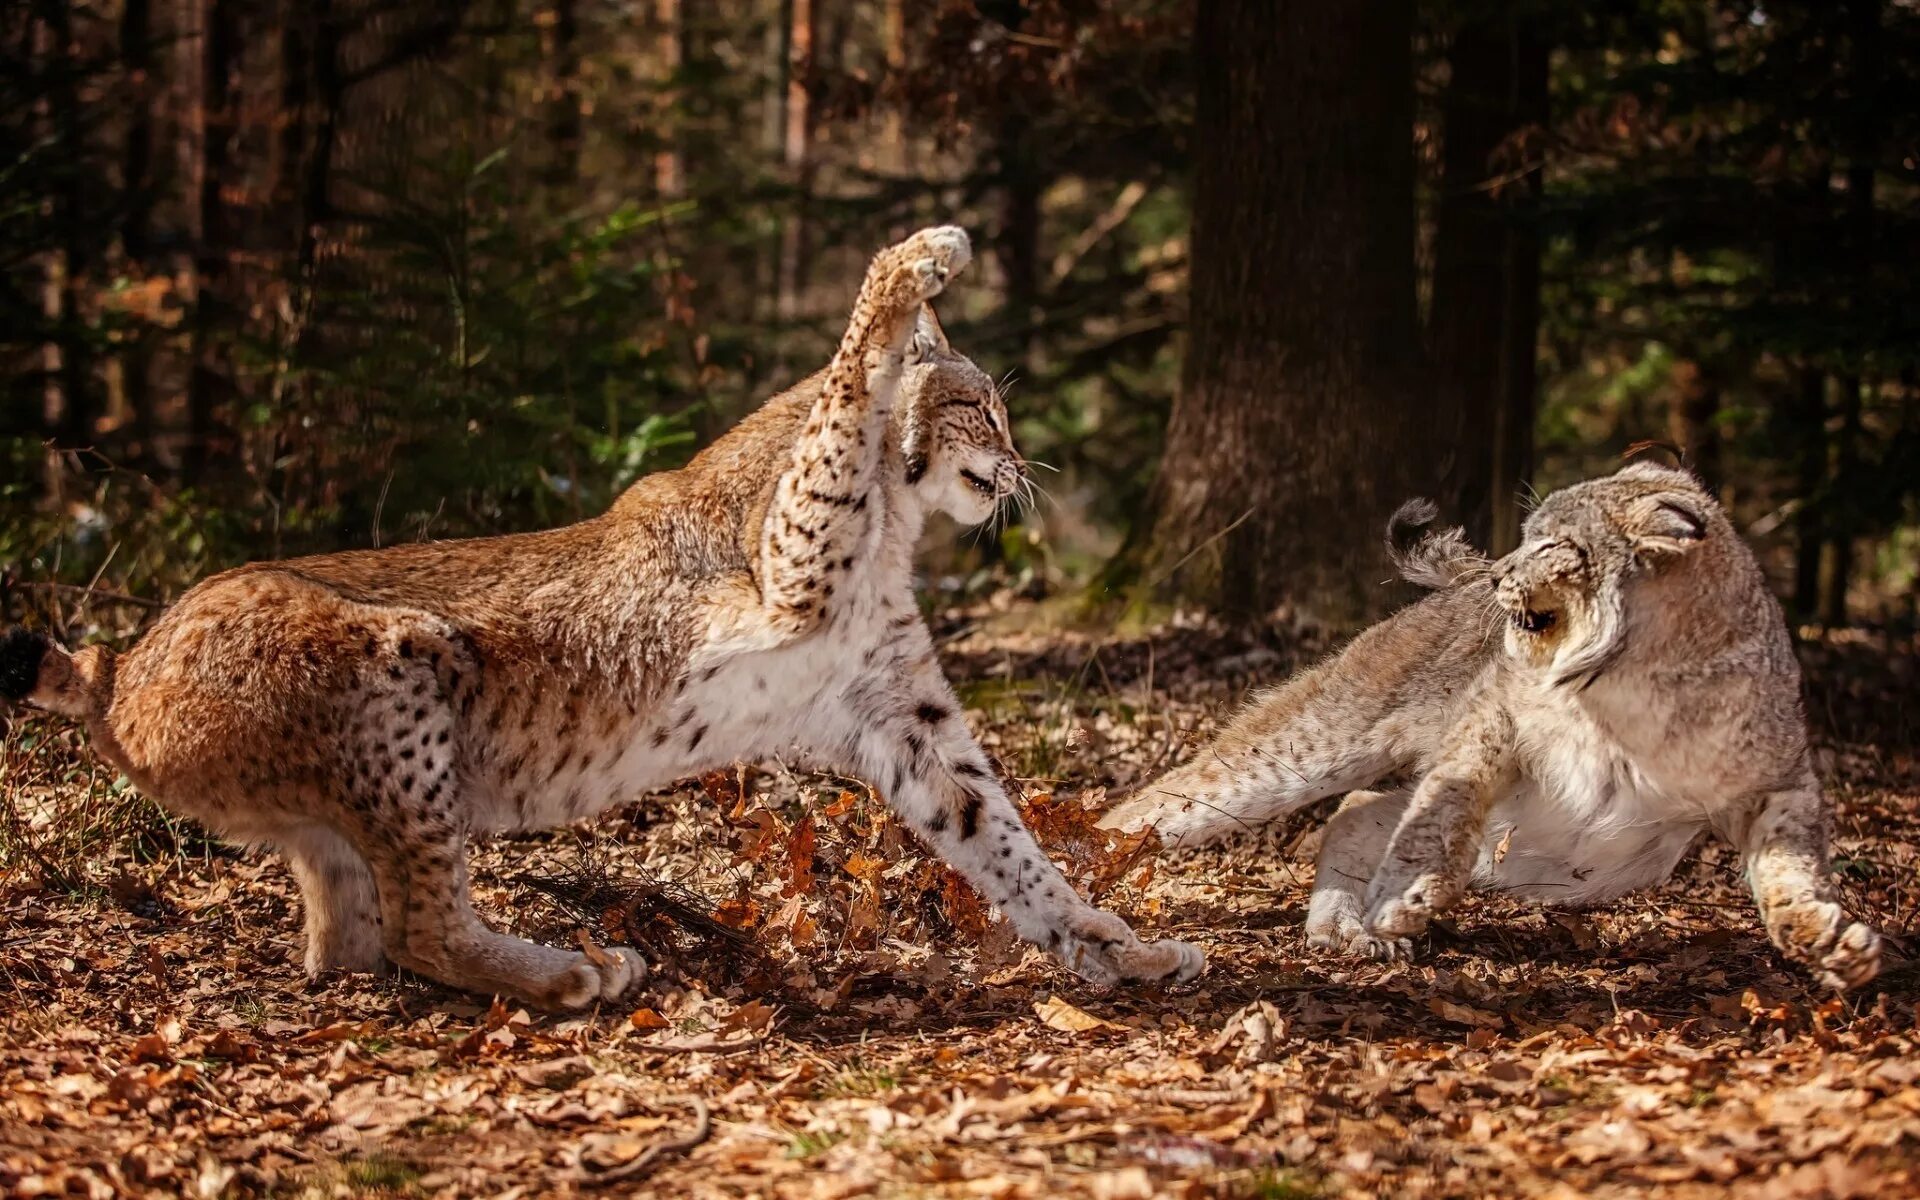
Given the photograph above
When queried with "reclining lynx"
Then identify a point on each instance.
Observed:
(366, 713)
(1645, 693)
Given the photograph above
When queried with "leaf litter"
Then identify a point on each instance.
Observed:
(832, 1012)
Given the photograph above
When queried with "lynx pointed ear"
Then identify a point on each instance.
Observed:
(1667, 524)
(929, 340)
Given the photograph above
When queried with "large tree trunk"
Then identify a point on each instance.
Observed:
(1486, 278)
(1296, 431)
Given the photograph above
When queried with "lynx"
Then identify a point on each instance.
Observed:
(1561, 724)
(368, 713)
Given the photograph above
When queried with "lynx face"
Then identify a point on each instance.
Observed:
(1572, 589)
(958, 444)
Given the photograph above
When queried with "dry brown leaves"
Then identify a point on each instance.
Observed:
(833, 1013)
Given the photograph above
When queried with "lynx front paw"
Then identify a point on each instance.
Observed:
(927, 260)
(1346, 937)
(1406, 912)
(1103, 949)
(1821, 936)
(605, 975)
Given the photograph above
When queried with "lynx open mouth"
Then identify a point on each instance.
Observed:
(983, 486)
(1528, 620)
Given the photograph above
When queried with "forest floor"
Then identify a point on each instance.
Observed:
(829, 1015)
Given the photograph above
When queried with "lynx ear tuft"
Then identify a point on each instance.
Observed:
(929, 340)
(1668, 524)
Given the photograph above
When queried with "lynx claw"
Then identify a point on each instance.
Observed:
(1819, 934)
(1406, 912)
(1351, 940)
(605, 976)
(1853, 960)
(1104, 950)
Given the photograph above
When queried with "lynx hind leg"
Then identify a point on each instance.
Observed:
(1351, 849)
(342, 907)
(432, 928)
(410, 823)
(1299, 744)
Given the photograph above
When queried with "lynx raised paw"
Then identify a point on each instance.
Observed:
(606, 974)
(1103, 949)
(927, 260)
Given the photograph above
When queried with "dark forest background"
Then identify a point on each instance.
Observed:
(291, 275)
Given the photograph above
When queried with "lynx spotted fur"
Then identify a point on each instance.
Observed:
(368, 713)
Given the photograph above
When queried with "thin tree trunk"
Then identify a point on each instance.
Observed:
(1863, 81)
(1486, 282)
(893, 122)
(669, 177)
(136, 206)
(563, 95)
(1692, 420)
(1837, 576)
(70, 397)
(1807, 434)
(796, 146)
(209, 381)
(1296, 431)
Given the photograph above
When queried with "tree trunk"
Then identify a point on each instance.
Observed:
(1806, 430)
(1863, 82)
(1692, 413)
(209, 380)
(893, 128)
(795, 154)
(669, 170)
(1296, 431)
(563, 96)
(136, 207)
(71, 402)
(1840, 523)
(1486, 281)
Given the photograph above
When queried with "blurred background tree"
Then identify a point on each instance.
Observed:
(282, 276)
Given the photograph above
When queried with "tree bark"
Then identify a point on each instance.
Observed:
(136, 207)
(1692, 413)
(796, 145)
(1486, 282)
(209, 379)
(563, 95)
(1296, 431)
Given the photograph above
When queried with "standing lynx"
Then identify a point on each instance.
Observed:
(1559, 725)
(368, 713)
